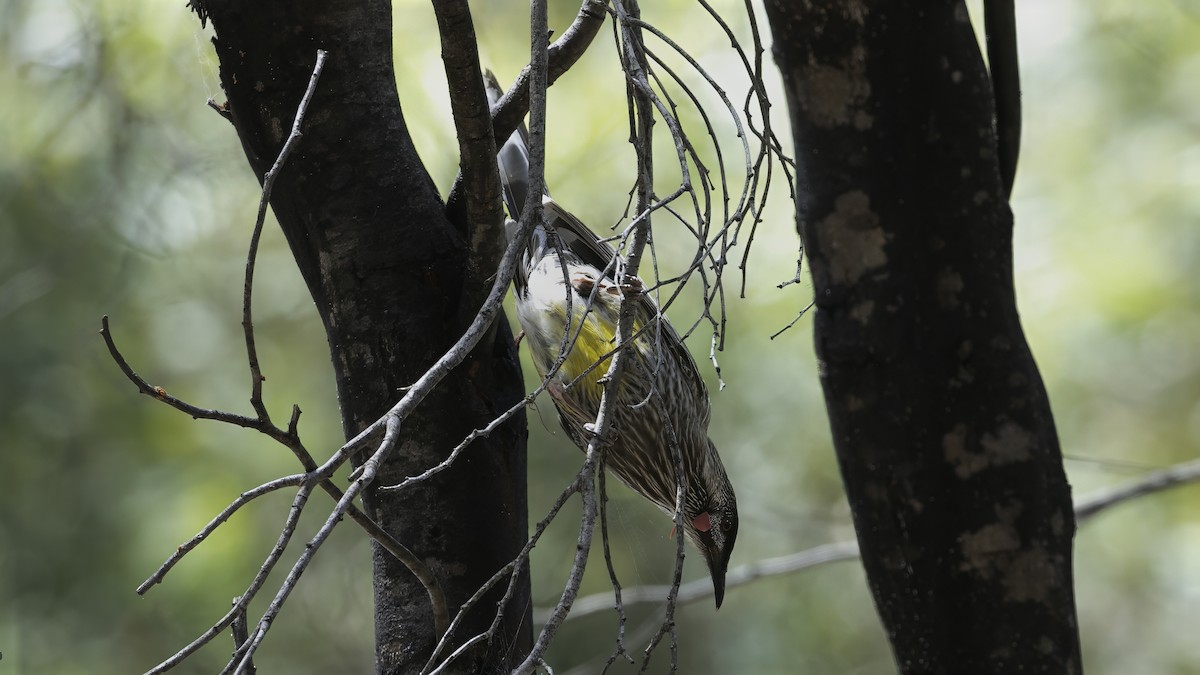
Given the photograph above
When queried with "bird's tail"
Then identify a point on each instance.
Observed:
(512, 157)
(513, 161)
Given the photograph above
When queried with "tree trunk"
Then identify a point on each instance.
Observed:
(385, 267)
(942, 427)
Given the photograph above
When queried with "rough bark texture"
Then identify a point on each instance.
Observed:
(942, 427)
(385, 267)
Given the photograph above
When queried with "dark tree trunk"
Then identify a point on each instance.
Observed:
(385, 268)
(942, 427)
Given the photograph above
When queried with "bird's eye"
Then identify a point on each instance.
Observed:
(726, 526)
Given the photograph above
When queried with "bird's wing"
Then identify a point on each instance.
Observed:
(584, 243)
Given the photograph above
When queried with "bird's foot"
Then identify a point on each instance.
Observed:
(629, 287)
(584, 284)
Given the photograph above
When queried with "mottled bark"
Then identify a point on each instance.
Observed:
(942, 427)
(385, 268)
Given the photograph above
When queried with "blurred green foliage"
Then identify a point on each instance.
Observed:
(122, 194)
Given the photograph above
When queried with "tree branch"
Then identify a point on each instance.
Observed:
(242, 499)
(561, 55)
(700, 589)
(1086, 509)
(1000, 26)
(475, 209)
(1180, 474)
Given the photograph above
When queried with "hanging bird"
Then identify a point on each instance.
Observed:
(662, 399)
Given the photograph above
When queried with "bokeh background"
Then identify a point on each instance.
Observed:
(122, 194)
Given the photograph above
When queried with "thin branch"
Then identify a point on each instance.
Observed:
(242, 499)
(240, 634)
(462, 649)
(243, 657)
(256, 376)
(584, 481)
(291, 440)
(701, 589)
(643, 103)
(475, 209)
(1180, 474)
(668, 622)
(256, 584)
(1000, 26)
(561, 55)
(619, 648)
(512, 570)
(799, 315)
(161, 394)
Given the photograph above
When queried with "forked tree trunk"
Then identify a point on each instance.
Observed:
(942, 427)
(385, 269)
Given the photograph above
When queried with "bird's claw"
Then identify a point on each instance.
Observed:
(631, 286)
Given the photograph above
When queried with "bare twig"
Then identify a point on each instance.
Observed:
(1178, 475)
(243, 499)
(512, 570)
(256, 376)
(290, 439)
(161, 394)
(703, 588)
(243, 657)
(561, 55)
(285, 535)
(643, 103)
(240, 634)
(619, 649)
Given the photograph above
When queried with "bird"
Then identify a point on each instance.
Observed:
(662, 401)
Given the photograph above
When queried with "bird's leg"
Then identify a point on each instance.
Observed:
(517, 340)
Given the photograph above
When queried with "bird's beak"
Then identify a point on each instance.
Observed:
(718, 562)
(718, 587)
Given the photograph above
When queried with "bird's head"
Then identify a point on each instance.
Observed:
(713, 525)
